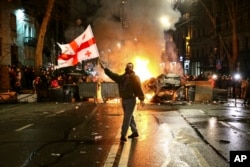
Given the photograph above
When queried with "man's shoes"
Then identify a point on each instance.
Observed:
(133, 135)
(123, 139)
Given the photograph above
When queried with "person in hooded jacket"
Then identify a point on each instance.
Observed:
(129, 86)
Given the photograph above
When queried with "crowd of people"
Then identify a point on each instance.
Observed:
(236, 87)
(21, 77)
(24, 78)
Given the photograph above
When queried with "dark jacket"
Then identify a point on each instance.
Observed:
(129, 84)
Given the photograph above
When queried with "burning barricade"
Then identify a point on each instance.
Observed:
(165, 87)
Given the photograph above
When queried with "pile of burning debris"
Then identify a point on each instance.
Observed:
(165, 87)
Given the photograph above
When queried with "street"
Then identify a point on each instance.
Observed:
(88, 134)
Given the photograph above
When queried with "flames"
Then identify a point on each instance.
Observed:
(144, 69)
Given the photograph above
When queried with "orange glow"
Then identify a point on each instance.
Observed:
(143, 69)
(149, 96)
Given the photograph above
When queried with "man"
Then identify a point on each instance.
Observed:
(243, 85)
(129, 88)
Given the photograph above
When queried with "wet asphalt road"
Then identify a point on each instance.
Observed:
(87, 134)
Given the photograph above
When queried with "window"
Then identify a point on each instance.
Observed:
(25, 30)
(30, 31)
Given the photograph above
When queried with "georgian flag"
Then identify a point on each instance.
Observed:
(80, 49)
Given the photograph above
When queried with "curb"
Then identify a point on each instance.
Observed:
(27, 98)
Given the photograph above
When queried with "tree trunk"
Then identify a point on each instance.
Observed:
(235, 50)
(42, 32)
(232, 12)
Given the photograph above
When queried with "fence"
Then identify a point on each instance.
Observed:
(87, 90)
(109, 90)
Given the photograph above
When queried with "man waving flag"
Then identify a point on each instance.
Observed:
(80, 49)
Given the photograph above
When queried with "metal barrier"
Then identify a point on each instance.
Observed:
(202, 91)
(70, 93)
(219, 94)
(109, 90)
(88, 90)
(42, 92)
(56, 94)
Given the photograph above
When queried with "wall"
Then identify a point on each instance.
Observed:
(5, 34)
(26, 26)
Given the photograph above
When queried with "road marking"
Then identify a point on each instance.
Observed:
(111, 156)
(224, 123)
(24, 127)
(201, 160)
(233, 127)
(125, 154)
(201, 111)
(112, 153)
(59, 112)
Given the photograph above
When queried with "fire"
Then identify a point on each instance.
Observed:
(142, 68)
(145, 69)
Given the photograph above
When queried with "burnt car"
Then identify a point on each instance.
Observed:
(165, 87)
(168, 81)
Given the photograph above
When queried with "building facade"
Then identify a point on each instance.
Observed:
(18, 32)
(204, 37)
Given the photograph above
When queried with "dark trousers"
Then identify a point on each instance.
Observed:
(128, 106)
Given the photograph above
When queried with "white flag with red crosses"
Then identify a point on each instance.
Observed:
(80, 49)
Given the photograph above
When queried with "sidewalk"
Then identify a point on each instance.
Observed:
(26, 98)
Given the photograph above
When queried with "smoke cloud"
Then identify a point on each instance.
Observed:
(126, 29)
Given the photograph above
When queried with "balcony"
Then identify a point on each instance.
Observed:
(29, 41)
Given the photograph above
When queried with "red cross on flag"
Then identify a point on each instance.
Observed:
(80, 49)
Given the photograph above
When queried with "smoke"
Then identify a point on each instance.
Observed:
(125, 29)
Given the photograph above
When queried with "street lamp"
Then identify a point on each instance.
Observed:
(214, 77)
(237, 77)
(164, 20)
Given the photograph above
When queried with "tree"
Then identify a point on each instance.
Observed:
(232, 7)
(57, 17)
(41, 36)
(232, 12)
